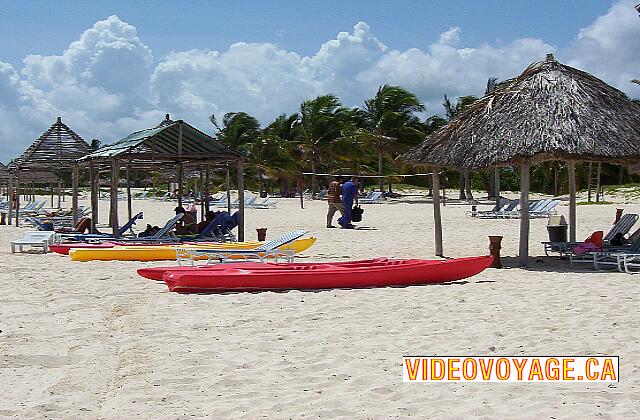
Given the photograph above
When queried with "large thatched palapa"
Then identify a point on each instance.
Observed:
(550, 112)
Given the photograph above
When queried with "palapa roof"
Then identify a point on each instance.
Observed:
(4, 173)
(56, 150)
(147, 149)
(550, 112)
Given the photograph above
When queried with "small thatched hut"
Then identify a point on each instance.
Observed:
(54, 153)
(550, 112)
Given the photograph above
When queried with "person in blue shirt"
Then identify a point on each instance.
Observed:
(349, 195)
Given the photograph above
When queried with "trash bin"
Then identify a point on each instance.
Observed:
(557, 228)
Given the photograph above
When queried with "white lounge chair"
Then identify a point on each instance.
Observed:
(36, 239)
(374, 197)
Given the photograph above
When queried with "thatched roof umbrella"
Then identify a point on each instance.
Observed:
(550, 112)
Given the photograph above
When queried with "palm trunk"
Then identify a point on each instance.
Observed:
(380, 180)
(314, 178)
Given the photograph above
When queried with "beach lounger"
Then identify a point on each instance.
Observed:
(269, 249)
(374, 197)
(623, 227)
(89, 236)
(511, 206)
(163, 235)
(503, 203)
(35, 239)
(265, 203)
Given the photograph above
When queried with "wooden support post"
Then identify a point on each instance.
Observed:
(74, 194)
(113, 210)
(523, 255)
(180, 187)
(228, 191)
(240, 200)
(10, 195)
(94, 175)
(496, 176)
(207, 188)
(202, 196)
(17, 201)
(59, 193)
(589, 177)
(598, 182)
(572, 200)
(53, 194)
(437, 215)
(129, 204)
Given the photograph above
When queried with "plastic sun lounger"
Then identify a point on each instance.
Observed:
(610, 255)
(36, 239)
(123, 229)
(266, 250)
(374, 198)
(496, 208)
(264, 204)
(160, 236)
(623, 226)
(512, 205)
(546, 210)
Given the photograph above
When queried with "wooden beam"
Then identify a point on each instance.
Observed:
(10, 194)
(571, 167)
(94, 175)
(59, 193)
(180, 187)
(437, 215)
(207, 188)
(180, 124)
(113, 210)
(17, 200)
(74, 194)
(202, 196)
(228, 180)
(240, 200)
(523, 255)
(496, 175)
(129, 204)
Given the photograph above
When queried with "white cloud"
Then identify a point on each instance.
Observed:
(106, 83)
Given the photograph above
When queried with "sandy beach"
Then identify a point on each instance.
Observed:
(95, 340)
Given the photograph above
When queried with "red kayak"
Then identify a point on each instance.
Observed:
(379, 272)
(66, 247)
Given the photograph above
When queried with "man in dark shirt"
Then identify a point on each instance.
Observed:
(349, 194)
(334, 200)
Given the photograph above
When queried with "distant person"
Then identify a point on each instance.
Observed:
(208, 218)
(187, 225)
(335, 201)
(349, 195)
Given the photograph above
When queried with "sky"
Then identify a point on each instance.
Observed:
(111, 68)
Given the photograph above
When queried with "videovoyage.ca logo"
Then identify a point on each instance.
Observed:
(510, 369)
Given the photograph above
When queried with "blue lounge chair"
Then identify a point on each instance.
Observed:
(123, 229)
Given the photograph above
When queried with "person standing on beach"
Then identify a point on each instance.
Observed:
(349, 194)
(334, 200)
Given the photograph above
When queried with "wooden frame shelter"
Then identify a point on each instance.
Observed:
(53, 154)
(172, 145)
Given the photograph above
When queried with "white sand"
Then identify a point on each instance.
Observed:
(95, 340)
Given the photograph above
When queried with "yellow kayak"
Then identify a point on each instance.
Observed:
(163, 253)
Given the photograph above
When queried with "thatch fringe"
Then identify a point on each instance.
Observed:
(550, 112)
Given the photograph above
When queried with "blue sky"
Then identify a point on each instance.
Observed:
(299, 26)
(110, 68)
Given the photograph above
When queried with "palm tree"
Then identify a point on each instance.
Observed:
(237, 128)
(321, 121)
(388, 123)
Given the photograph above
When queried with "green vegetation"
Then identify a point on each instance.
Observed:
(325, 136)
